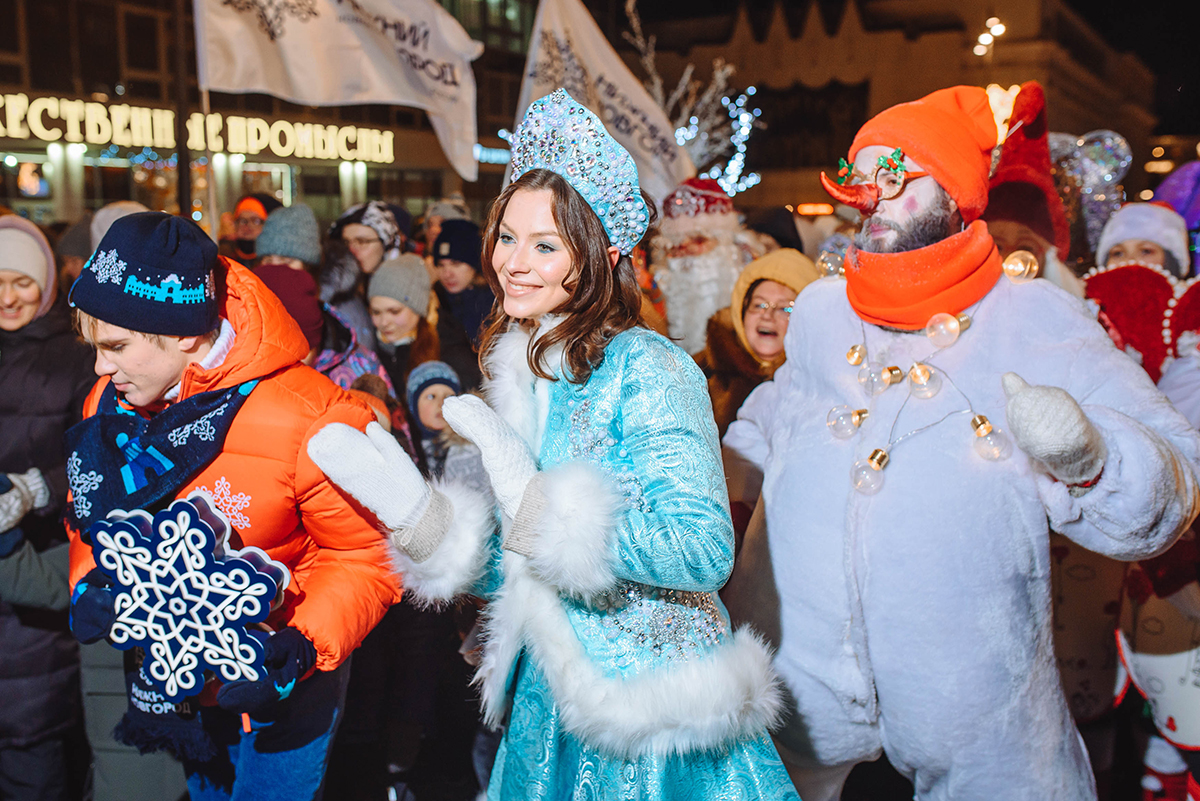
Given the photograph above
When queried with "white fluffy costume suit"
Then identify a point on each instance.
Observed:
(917, 620)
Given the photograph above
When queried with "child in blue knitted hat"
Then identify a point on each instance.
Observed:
(447, 455)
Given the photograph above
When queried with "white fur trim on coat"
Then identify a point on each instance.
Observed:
(729, 694)
(575, 544)
(512, 389)
(459, 561)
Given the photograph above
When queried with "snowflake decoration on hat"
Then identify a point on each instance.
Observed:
(108, 267)
(81, 484)
(183, 596)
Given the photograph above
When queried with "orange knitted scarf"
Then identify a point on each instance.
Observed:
(903, 290)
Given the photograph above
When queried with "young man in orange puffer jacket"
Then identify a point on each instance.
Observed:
(200, 370)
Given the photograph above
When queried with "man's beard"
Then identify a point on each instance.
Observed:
(925, 229)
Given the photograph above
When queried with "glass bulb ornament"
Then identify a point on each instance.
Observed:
(871, 376)
(830, 264)
(892, 375)
(1021, 266)
(843, 421)
(923, 381)
(943, 330)
(867, 474)
(856, 354)
(991, 443)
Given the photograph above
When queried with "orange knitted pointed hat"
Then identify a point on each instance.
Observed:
(950, 133)
(1023, 187)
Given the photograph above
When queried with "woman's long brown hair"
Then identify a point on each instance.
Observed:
(604, 300)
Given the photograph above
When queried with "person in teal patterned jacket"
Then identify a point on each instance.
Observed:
(607, 652)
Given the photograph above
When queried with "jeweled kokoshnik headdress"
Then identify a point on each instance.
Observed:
(562, 136)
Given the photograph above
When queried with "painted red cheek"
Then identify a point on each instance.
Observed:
(910, 205)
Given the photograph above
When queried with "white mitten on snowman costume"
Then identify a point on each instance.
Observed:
(1050, 426)
(563, 520)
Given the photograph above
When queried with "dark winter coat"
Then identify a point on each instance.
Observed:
(45, 375)
(459, 348)
(342, 282)
(470, 307)
(399, 360)
(732, 371)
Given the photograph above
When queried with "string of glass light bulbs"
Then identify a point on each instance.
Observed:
(924, 382)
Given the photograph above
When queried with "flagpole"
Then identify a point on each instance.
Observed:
(183, 159)
(214, 214)
(214, 218)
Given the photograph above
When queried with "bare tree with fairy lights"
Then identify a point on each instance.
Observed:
(710, 124)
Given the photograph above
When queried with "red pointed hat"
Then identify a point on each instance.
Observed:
(1022, 189)
(697, 196)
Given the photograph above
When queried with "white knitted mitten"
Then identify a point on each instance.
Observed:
(1049, 425)
(374, 469)
(506, 456)
(34, 484)
(14, 504)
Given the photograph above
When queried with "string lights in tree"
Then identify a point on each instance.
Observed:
(712, 125)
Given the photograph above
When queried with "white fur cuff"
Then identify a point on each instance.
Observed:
(458, 561)
(573, 542)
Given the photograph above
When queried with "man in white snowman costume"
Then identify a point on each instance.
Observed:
(933, 422)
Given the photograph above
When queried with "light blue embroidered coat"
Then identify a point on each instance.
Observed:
(608, 648)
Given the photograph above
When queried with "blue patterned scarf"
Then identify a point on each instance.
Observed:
(121, 459)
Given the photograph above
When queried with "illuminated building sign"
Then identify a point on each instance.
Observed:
(53, 119)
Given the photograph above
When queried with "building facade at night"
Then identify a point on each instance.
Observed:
(822, 69)
(87, 98)
(88, 107)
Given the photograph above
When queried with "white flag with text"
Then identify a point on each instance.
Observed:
(345, 52)
(568, 50)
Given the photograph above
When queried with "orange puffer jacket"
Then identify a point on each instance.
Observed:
(274, 495)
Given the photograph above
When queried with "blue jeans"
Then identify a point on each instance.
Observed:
(282, 758)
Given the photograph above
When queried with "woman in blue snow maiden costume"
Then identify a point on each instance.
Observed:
(608, 654)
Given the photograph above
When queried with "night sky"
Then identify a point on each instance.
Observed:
(1165, 34)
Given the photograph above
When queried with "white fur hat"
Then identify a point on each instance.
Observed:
(1150, 221)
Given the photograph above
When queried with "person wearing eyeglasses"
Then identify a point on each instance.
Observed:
(249, 216)
(361, 240)
(934, 421)
(744, 349)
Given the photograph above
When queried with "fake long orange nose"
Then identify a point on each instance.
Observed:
(864, 197)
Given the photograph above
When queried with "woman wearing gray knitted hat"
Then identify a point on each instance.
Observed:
(398, 297)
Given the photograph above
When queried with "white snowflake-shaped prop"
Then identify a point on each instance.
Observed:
(108, 267)
(183, 596)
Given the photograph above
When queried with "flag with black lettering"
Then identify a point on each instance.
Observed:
(568, 50)
(346, 52)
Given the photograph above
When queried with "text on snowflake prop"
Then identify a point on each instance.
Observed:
(183, 597)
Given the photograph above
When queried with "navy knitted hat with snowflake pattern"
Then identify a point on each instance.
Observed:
(152, 273)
